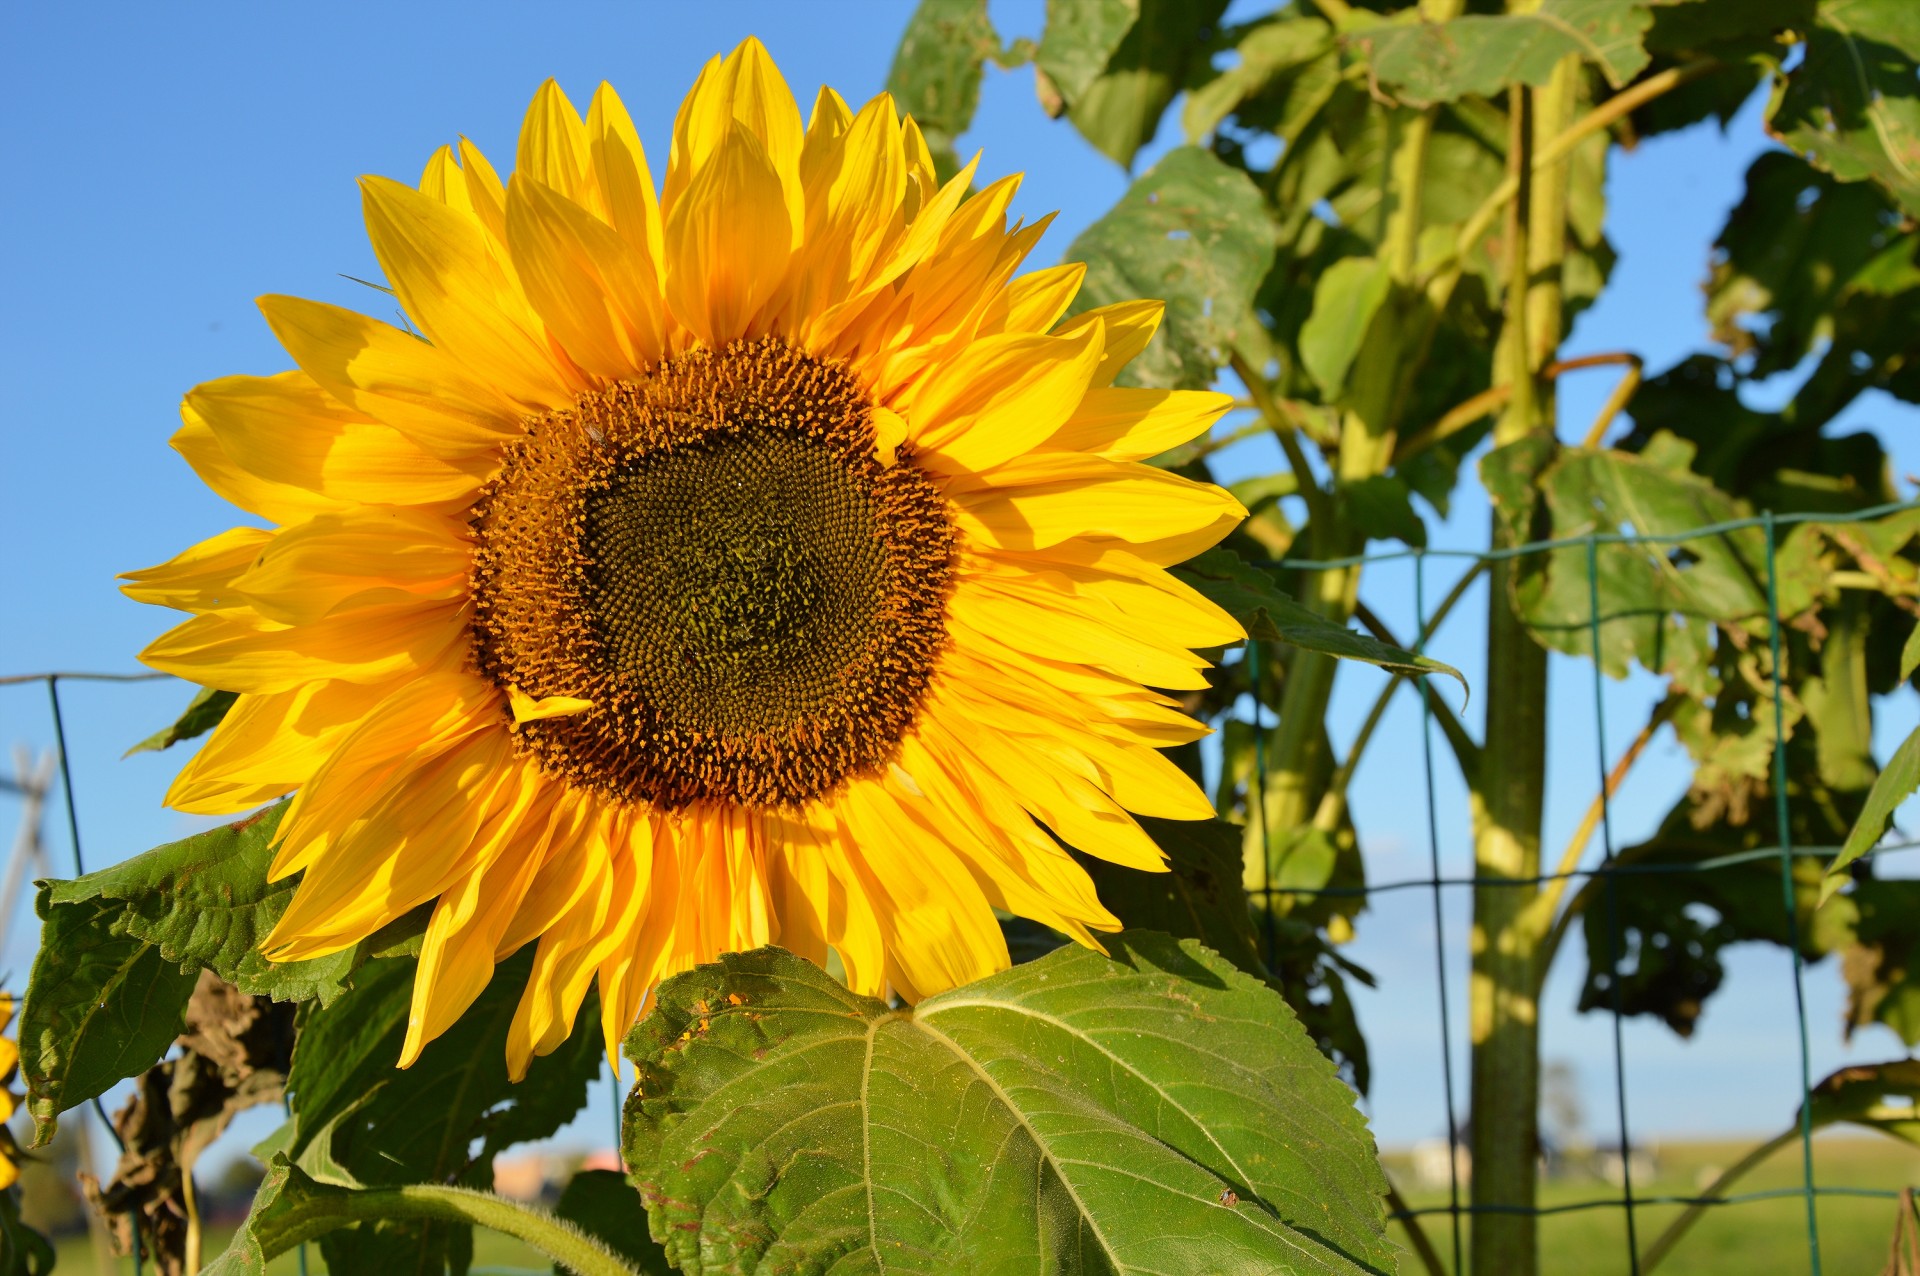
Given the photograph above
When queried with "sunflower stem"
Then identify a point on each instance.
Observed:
(557, 1239)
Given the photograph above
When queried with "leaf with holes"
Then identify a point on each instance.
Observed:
(1423, 63)
(1156, 1111)
(1193, 232)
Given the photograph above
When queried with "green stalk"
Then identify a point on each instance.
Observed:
(1503, 1007)
(321, 1213)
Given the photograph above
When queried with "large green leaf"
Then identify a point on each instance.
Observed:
(1853, 103)
(1123, 61)
(203, 713)
(1271, 615)
(937, 69)
(1193, 232)
(23, 1251)
(101, 1006)
(1160, 1111)
(1422, 63)
(206, 901)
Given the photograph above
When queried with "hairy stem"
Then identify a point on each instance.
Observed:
(316, 1215)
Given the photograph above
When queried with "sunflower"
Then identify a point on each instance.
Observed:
(9, 1101)
(758, 560)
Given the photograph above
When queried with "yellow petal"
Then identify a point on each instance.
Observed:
(1131, 425)
(269, 745)
(728, 241)
(745, 89)
(199, 579)
(595, 292)
(626, 182)
(1059, 630)
(440, 268)
(1001, 398)
(287, 431)
(1036, 300)
(393, 377)
(554, 150)
(1130, 325)
(1064, 496)
(370, 645)
(364, 556)
(526, 709)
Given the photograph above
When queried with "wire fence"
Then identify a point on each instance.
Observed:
(1607, 873)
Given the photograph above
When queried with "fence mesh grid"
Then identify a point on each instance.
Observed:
(1607, 872)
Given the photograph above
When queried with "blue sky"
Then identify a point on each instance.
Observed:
(173, 162)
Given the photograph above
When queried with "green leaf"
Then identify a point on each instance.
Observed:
(1119, 108)
(206, 901)
(1346, 297)
(937, 69)
(1424, 63)
(202, 714)
(1894, 785)
(1859, 1095)
(101, 1006)
(345, 1080)
(1195, 233)
(1072, 1114)
(1853, 104)
(1199, 897)
(1381, 506)
(1080, 38)
(1269, 51)
(1910, 654)
(1271, 615)
(364, 1117)
(605, 1206)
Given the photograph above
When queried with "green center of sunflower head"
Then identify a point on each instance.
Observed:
(716, 560)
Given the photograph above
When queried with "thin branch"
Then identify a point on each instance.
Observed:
(1416, 1232)
(1491, 400)
(1600, 117)
(1617, 401)
(1664, 1243)
(1333, 804)
(1282, 424)
(1549, 898)
(1465, 751)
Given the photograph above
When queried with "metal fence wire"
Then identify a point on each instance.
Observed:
(1611, 876)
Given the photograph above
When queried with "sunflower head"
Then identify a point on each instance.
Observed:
(755, 558)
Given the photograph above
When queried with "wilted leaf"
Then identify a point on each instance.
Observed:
(1193, 232)
(1882, 966)
(1853, 103)
(203, 713)
(1422, 63)
(1270, 615)
(1860, 1095)
(1160, 1111)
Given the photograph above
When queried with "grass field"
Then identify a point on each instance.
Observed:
(1757, 1238)
(1752, 1238)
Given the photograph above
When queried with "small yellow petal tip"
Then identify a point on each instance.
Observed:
(527, 709)
(889, 432)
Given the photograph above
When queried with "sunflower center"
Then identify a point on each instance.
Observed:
(714, 558)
